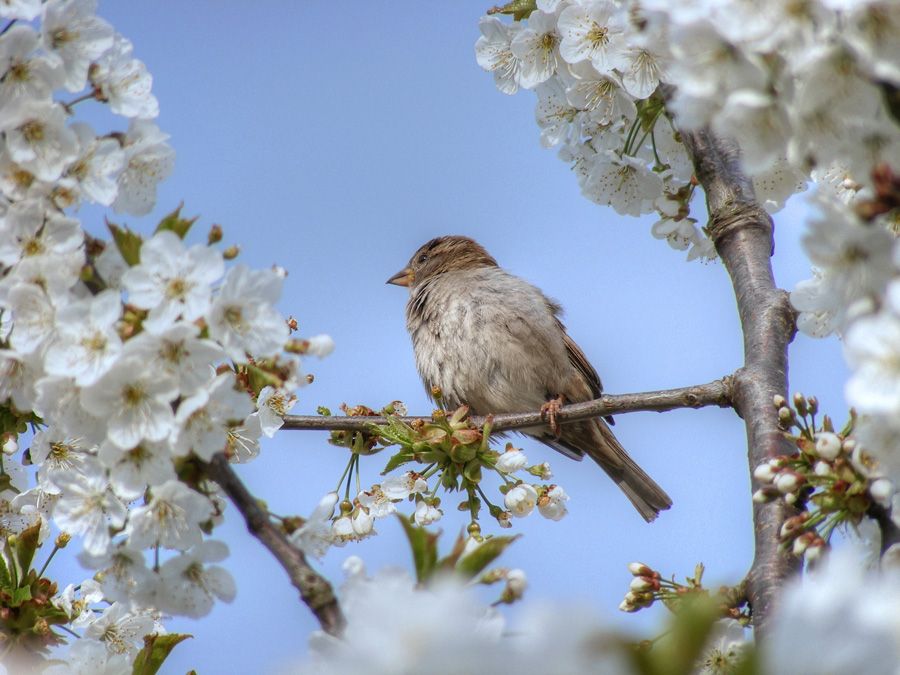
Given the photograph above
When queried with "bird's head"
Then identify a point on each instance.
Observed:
(441, 255)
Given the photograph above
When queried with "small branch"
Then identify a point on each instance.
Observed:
(717, 393)
(314, 589)
(743, 235)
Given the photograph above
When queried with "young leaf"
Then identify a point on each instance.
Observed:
(474, 563)
(175, 223)
(25, 547)
(128, 243)
(424, 549)
(156, 649)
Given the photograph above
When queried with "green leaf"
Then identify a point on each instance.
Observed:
(399, 459)
(682, 646)
(474, 563)
(448, 562)
(20, 595)
(5, 581)
(25, 547)
(128, 243)
(520, 9)
(175, 223)
(156, 649)
(424, 549)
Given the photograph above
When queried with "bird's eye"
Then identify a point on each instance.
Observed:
(422, 259)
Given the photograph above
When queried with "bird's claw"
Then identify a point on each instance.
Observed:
(549, 411)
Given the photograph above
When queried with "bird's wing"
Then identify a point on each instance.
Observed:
(581, 363)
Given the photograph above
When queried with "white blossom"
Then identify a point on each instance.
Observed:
(37, 137)
(536, 47)
(75, 37)
(136, 402)
(170, 519)
(148, 160)
(86, 343)
(494, 54)
(88, 508)
(172, 281)
(521, 500)
(243, 318)
(314, 536)
(189, 586)
(552, 504)
(204, 419)
(124, 82)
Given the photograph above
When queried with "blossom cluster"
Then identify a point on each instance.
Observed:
(833, 481)
(800, 87)
(133, 360)
(453, 456)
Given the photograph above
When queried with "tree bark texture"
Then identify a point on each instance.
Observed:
(743, 235)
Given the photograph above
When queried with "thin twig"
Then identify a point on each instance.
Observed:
(314, 589)
(717, 393)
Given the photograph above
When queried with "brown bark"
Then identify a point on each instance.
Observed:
(742, 232)
(717, 393)
(314, 589)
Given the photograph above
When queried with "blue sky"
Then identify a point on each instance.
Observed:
(334, 140)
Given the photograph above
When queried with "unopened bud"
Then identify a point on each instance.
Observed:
(639, 569)
(788, 481)
(785, 417)
(641, 584)
(63, 539)
(828, 445)
(800, 404)
(231, 252)
(215, 235)
(762, 496)
(779, 401)
(764, 473)
(813, 403)
(882, 490)
(822, 469)
(793, 525)
(626, 606)
(10, 444)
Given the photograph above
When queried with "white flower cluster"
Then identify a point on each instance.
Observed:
(355, 520)
(840, 618)
(797, 85)
(125, 356)
(395, 626)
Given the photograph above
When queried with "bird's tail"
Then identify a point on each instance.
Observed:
(648, 497)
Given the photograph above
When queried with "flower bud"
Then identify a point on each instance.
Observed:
(764, 473)
(639, 569)
(516, 583)
(642, 584)
(813, 403)
(521, 500)
(626, 606)
(828, 445)
(778, 401)
(63, 539)
(785, 416)
(793, 525)
(822, 469)
(762, 496)
(800, 404)
(511, 460)
(10, 444)
(882, 490)
(788, 481)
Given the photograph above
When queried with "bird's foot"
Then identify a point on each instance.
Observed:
(549, 411)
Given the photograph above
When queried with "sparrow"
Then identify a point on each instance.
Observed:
(490, 340)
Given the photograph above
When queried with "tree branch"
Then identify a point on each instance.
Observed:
(314, 589)
(742, 232)
(717, 393)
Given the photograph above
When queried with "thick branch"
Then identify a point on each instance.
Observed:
(717, 393)
(314, 589)
(742, 232)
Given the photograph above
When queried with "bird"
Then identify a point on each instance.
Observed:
(494, 342)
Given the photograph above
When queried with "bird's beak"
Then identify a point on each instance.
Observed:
(403, 278)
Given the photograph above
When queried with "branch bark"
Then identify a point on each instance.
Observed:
(743, 235)
(314, 589)
(717, 392)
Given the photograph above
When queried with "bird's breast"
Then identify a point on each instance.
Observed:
(480, 344)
